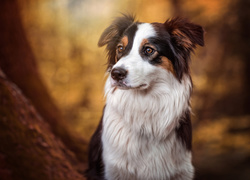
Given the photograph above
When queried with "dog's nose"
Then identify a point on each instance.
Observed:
(118, 74)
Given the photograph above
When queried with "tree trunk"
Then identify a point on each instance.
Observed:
(28, 149)
(18, 63)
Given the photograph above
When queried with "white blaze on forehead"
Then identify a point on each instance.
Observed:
(144, 31)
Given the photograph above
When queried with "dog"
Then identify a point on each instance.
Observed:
(145, 132)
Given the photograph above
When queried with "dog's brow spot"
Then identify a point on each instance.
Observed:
(124, 41)
(144, 41)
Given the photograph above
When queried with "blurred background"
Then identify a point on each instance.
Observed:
(61, 38)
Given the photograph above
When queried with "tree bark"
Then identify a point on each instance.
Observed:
(29, 150)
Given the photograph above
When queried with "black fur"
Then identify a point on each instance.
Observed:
(95, 169)
(188, 32)
(177, 38)
(184, 131)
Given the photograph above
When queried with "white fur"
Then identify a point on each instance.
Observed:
(139, 139)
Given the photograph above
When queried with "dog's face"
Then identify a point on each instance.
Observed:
(140, 54)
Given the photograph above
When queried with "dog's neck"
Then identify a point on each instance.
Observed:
(154, 112)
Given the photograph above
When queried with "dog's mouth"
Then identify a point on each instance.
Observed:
(125, 86)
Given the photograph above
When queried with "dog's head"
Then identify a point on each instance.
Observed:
(140, 54)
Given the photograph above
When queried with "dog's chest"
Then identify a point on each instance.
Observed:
(139, 138)
(133, 155)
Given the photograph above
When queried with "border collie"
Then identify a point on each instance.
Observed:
(145, 132)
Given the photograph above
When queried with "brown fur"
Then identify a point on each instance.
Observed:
(166, 64)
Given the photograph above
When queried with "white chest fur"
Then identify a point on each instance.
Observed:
(139, 139)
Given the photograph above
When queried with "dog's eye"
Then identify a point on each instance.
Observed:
(149, 51)
(120, 48)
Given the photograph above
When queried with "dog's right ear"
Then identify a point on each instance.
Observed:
(115, 30)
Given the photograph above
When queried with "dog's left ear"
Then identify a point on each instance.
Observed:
(185, 34)
(184, 37)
